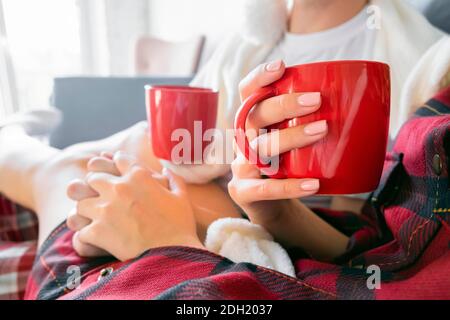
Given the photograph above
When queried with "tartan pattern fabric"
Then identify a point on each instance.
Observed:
(162, 273)
(17, 224)
(404, 230)
(16, 261)
(18, 236)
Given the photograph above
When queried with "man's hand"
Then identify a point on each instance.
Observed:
(136, 210)
(79, 190)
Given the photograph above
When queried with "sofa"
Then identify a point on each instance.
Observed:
(97, 107)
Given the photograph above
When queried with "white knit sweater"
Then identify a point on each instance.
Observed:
(403, 38)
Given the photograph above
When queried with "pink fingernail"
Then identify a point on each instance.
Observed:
(316, 128)
(310, 99)
(273, 66)
(310, 185)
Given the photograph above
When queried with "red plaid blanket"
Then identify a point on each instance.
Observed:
(403, 233)
(18, 234)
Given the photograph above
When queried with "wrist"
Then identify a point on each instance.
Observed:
(290, 216)
(273, 214)
(192, 242)
(178, 241)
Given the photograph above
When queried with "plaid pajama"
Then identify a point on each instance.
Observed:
(404, 230)
(16, 261)
(18, 234)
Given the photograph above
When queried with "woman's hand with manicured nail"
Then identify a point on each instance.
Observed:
(268, 201)
(274, 66)
(278, 109)
(316, 128)
(310, 100)
(265, 201)
(310, 185)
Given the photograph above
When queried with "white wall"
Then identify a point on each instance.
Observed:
(109, 30)
(180, 19)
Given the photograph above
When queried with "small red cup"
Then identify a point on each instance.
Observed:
(180, 114)
(356, 106)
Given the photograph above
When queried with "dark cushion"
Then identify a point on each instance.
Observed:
(438, 13)
(97, 107)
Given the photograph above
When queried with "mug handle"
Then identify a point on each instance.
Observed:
(241, 120)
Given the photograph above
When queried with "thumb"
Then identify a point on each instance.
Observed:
(177, 184)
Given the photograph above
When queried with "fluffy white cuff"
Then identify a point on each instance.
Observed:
(241, 241)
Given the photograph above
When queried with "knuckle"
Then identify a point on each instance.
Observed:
(121, 157)
(75, 222)
(72, 223)
(262, 190)
(252, 77)
(138, 173)
(235, 166)
(241, 169)
(91, 177)
(82, 249)
(79, 247)
(258, 77)
(261, 69)
(122, 189)
(290, 137)
(284, 103)
(232, 187)
(233, 191)
(72, 188)
(104, 212)
(93, 232)
(287, 188)
(93, 163)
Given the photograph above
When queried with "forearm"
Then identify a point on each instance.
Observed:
(299, 226)
(20, 157)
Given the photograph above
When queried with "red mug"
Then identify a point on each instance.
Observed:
(186, 110)
(356, 106)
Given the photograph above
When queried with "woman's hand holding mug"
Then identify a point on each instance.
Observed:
(350, 128)
(248, 189)
(329, 124)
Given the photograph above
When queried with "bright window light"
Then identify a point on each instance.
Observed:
(44, 40)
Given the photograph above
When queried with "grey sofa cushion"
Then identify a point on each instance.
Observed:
(438, 13)
(95, 108)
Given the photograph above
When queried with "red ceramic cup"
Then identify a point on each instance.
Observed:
(180, 114)
(356, 105)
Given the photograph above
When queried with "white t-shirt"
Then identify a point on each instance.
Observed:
(352, 40)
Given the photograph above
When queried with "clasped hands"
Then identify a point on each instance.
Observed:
(124, 209)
